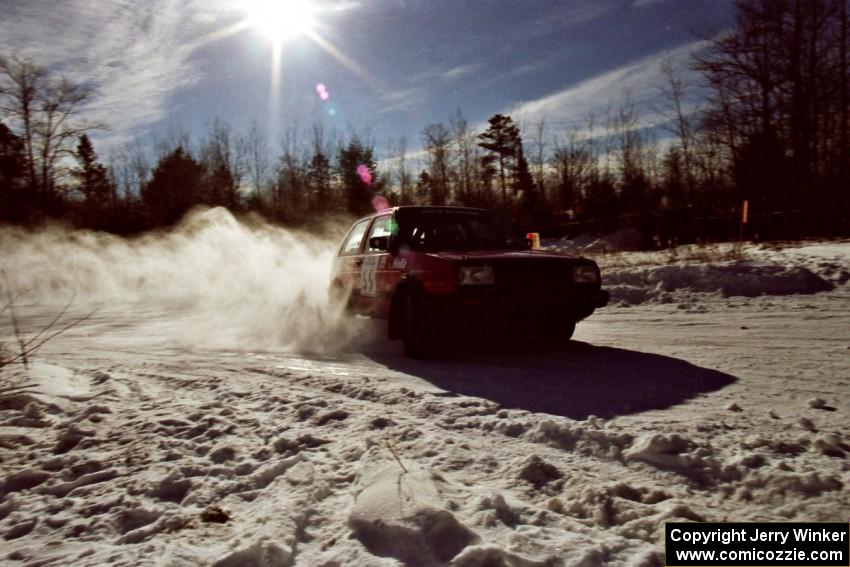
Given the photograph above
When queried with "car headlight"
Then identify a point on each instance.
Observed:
(585, 274)
(476, 275)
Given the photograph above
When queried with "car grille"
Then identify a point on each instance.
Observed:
(531, 277)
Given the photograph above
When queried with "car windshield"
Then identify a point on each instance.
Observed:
(436, 230)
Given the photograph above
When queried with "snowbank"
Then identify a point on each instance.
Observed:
(621, 241)
(753, 271)
(730, 279)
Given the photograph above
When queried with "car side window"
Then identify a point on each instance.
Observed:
(381, 227)
(355, 237)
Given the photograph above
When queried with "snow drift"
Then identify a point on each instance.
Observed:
(726, 270)
(730, 279)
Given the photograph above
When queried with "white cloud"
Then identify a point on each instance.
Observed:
(419, 87)
(562, 17)
(638, 80)
(460, 71)
(134, 54)
(401, 99)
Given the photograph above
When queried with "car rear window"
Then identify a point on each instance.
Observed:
(439, 230)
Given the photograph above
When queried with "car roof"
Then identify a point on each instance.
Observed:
(412, 208)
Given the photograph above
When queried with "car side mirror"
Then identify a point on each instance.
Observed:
(379, 243)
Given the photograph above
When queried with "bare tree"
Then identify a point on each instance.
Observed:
(538, 160)
(844, 86)
(778, 99)
(319, 170)
(290, 174)
(175, 135)
(28, 345)
(404, 178)
(224, 157)
(466, 151)
(257, 150)
(681, 122)
(23, 81)
(437, 140)
(631, 157)
(45, 111)
(572, 160)
(628, 142)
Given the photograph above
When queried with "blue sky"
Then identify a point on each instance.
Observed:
(390, 66)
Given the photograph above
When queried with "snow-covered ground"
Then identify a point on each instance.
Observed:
(215, 411)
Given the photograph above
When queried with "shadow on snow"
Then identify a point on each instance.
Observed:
(574, 381)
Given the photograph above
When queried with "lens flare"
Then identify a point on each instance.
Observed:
(365, 174)
(380, 203)
(323, 91)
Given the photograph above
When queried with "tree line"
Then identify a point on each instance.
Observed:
(760, 114)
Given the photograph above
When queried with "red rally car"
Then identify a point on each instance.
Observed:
(437, 271)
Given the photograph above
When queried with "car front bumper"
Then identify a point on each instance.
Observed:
(492, 312)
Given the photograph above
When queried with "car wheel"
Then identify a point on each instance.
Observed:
(415, 332)
(566, 330)
(338, 295)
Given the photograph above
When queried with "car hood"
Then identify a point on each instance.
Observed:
(501, 255)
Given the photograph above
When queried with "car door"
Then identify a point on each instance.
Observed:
(374, 275)
(350, 261)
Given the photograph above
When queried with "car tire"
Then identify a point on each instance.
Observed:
(416, 333)
(338, 295)
(566, 330)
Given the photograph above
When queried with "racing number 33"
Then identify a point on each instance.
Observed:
(368, 276)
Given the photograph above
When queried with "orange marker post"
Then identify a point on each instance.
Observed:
(745, 216)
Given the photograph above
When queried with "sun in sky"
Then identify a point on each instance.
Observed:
(281, 20)
(284, 22)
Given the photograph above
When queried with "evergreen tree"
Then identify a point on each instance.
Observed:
(601, 198)
(174, 188)
(358, 173)
(532, 207)
(319, 179)
(94, 184)
(674, 188)
(423, 187)
(14, 204)
(501, 140)
(221, 188)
